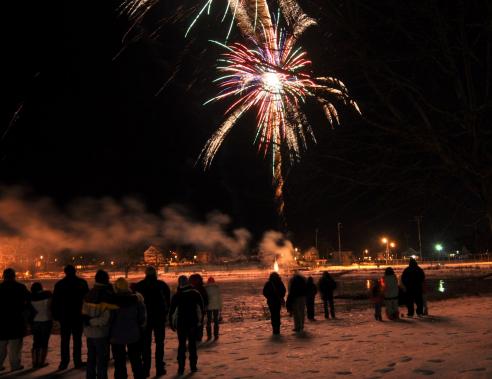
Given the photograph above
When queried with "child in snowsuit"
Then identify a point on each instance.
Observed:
(377, 297)
(391, 291)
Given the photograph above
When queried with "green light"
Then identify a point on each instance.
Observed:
(438, 247)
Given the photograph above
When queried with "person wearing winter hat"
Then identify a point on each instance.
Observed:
(41, 324)
(185, 316)
(214, 307)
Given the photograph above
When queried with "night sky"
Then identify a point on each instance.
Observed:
(104, 118)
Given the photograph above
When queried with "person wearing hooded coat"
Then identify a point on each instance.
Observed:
(413, 278)
(196, 281)
(214, 307)
(156, 295)
(41, 324)
(68, 296)
(127, 323)
(296, 300)
(274, 291)
(96, 313)
(14, 298)
(185, 315)
(311, 292)
(326, 286)
(391, 292)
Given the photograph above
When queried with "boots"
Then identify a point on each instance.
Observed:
(35, 358)
(43, 352)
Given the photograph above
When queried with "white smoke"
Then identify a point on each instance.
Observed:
(32, 226)
(275, 246)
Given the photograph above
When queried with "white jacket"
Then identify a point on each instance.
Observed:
(390, 286)
(214, 297)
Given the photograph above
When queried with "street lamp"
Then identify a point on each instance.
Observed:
(388, 244)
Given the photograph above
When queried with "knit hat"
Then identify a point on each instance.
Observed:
(121, 285)
(182, 281)
(211, 280)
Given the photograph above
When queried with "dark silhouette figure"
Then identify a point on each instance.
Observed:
(196, 281)
(326, 286)
(311, 292)
(41, 324)
(185, 316)
(214, 307)
(296, 300)
(274, 291)
(14, 298)
(377, 296)
(127, 323)
(156, 295)
(96, 313)
(68, 296)
(413, 278)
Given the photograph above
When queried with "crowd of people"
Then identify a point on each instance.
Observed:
(116, 318)
(122, 318)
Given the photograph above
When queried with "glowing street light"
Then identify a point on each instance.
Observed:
(388, 244)
(438, 247)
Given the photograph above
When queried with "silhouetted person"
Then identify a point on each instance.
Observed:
(14, 298)
(391, 290)
(274, 291)
(68, 296)
(156, 295)
(185, 316)
(41, 324)
(196, 281)
(96, 312)
(377, 297)
(413, 279)
(326, 286)
(311, 292)
(296, 301)
(214, 307)
(127, 323)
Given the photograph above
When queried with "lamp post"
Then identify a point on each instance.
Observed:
(388, 244)
(439, 247)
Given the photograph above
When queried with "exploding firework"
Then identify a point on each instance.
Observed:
(272, 77)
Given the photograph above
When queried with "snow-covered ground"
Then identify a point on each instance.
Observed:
(453, 342)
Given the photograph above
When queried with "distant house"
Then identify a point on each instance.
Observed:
(346, 257)
(153, 256)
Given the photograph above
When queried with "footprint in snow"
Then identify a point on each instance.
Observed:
(361, 360)
(330, 356)
(405, 359)
(478, 369)
(343, 372)
(423, 371)
(220, 366)
(311, 372)
(392, 364)
(435, 360)
(241, 359)
(384, 370)
(431, 343)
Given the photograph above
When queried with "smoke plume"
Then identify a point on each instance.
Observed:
(274, 245)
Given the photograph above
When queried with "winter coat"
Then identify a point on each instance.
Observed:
(203, 293)
(413, 278)
(156, 295)
(376, 292)
(41, 302)
(96, 311)
(128, 320)
(311, 289)
(297, 286)
(186, 309)
(214, 296)
(326, 286)
(14, 300)
(68, 296)
(274, 292)
(390, 287)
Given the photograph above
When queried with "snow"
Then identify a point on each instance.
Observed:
(453, 342)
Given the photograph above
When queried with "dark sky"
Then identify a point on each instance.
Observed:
(95, 125)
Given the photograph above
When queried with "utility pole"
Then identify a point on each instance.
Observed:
(418, 219)
(339, 227)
